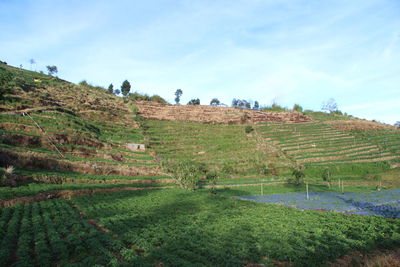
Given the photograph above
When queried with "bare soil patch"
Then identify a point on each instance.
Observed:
(359, 125)
(382, 258)
(211, 114)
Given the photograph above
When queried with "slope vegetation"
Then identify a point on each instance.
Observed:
(56, 132)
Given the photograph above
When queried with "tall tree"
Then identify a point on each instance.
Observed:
(111, 88)
(178, 94)
(125, 88)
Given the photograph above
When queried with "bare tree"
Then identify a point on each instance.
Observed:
(32, 61)
(330, 105)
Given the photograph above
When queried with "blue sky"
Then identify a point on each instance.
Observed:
(284, 51)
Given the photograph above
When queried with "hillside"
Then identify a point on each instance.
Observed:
(53, 130)
(73, 192)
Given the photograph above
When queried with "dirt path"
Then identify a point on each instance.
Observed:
(67, 194)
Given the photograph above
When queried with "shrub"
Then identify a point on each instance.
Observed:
(136, 96)
(248, 129)
(187, 174)
(195, 101)
(327, 176)
(158, 99)
(297, 108)
(298, 177)
(228, 168)
(275, 108)
(211, 178)
(261, 168)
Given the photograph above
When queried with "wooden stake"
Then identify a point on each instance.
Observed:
(307, 190)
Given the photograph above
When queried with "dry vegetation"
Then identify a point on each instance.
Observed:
(212, 114)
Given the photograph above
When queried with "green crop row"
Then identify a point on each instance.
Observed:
(52, 233)
(184, 228)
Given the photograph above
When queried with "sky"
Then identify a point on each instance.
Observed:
(282, 51)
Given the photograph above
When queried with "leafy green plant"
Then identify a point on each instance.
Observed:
(186, 173)
(298, 177)
(211, 179)
(297, 108)
(327, 176)
(248, 129)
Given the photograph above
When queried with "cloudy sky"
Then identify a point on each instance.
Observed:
(287, 51)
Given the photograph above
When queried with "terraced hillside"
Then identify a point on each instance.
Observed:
(319, 144)
(386, 137)
(237, 156)
(56, 132)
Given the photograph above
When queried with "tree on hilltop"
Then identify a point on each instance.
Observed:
(178, 94)
(125, 88)
(256, 105)
(215, 102)
(111, 88)
(51, 69)
(194, 102)
(397, 124)
(330, 105)
(32, 61)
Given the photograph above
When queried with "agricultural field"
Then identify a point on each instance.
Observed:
(52, 232)
(181, 228)
(319, 144)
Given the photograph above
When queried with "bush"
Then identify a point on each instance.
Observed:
(228, 168)
(275, 108)
(261, 168)
(297, 108)
(327, 176)
(187, 174)
(211, 178)
(248, 129)
(195, 101)
(298, 177)
(136, 96)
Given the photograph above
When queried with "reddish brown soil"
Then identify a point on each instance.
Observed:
(381, 258)
(211, 114)
(359, 125)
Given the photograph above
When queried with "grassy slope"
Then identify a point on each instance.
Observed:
(89, 126)
(226, 148)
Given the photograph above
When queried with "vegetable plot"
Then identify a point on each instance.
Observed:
(383, 203)
(181, 228)
(52, 233)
